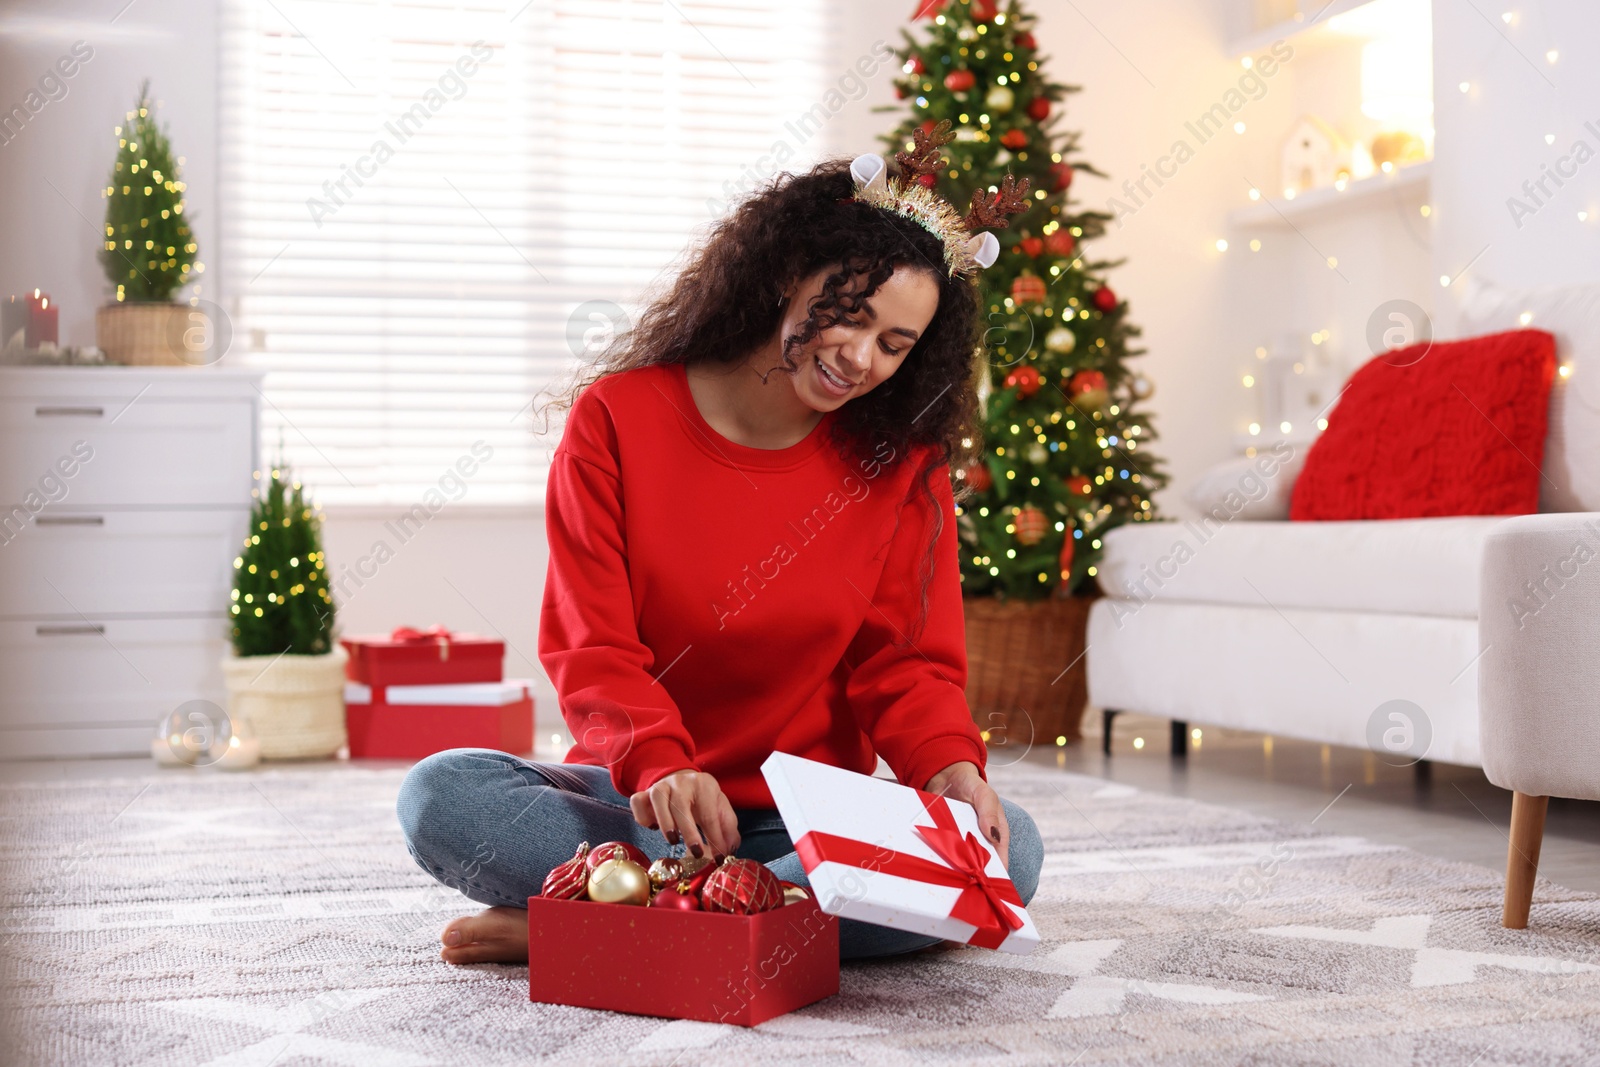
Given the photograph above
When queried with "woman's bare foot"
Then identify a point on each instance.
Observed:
(494, 935)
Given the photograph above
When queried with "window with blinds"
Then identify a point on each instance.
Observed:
(423, 201)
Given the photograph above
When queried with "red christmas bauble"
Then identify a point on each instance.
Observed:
(1105, 299)
(1030, 524)
(900, 92)
(568, 880)
(916, 64)
(984, 10)
(1038, 109)
(1086, 381)
(1014, 139)
(1080, 485)
(1025, 40)
(741, 887)
(1061, 243)
(978, 478)
(610, 851)
(959, 81)
(1031, 246)
(677, 896)
(1066, 556)
(927, 127)
(1026, 380)
(1028, 289)
(927, 9)
(696, 869)
(1060, 176)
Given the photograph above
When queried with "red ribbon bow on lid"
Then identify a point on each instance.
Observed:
(984, 898)
(406, 635)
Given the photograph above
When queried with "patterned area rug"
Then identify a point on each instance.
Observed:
(275, 920)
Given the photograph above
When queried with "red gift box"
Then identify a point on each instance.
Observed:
(409, 722)
(709, 966)
(423, 657)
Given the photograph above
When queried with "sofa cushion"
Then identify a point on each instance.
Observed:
(1406, 566)
(1572, 449)
(1433, 429)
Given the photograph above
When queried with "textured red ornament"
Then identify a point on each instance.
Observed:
(1060, 176)
(1061, 243)
(616, 850)
(1014, 139)
(742, 887)
(568, 880)
(1080, 484)
(984, 10)
(959, 81)
(1030, 525)
(1026, 380)
(978, 478)
(1032, 246)
(678, 899)
(1028, 289)
(1038, 109)
(1105, 299)
(1025, 40)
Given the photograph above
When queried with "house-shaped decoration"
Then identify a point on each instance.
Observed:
(1314, 155)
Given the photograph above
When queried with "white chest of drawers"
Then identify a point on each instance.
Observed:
(124, 497)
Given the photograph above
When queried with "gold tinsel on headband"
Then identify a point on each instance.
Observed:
(929, 210)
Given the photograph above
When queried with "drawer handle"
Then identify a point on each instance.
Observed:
(68, 409)
(65, 631)
(69, 520)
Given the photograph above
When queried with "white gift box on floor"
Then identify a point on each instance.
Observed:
(895, 856)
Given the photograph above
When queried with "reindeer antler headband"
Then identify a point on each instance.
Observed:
(966, 249)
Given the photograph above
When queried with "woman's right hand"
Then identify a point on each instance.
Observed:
(689, 805)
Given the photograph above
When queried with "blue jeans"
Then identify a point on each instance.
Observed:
(492, 825)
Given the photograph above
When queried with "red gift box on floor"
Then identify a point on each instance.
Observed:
(412, 721)
(423, 657)
(703, 965)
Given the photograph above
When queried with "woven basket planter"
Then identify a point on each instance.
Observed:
(142, 335)
(294, 704)
(1026, 673)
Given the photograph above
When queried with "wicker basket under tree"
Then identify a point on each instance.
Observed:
(286, 678)
(1064, 453)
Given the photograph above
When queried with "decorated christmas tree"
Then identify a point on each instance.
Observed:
(1065, 441)
(280, 594)
(149, 251)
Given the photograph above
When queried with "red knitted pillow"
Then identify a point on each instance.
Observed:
(1440, 428)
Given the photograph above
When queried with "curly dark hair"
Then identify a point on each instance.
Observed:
(724, 303)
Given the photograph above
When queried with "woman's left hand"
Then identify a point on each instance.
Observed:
(962, 781)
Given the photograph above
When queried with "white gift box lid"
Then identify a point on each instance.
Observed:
(465, 694)
(815, 797)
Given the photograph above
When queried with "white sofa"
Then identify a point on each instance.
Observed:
(1367, 634)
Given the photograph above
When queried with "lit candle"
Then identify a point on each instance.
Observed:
(44, 320)
(241, 754)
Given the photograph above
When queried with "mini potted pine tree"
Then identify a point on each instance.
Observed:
(147, 250)
(286, 677)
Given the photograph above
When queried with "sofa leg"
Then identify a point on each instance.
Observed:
(1423, 770)
(1180, 738)
(1107, 717)
(1522, 858)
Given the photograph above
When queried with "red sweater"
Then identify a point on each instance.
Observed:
(708, 603)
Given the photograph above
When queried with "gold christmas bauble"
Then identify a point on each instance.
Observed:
(1061, 340)
(665, 871)
(619, 881)
(1000, 99)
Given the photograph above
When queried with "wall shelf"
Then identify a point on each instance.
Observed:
(1279, 213)
(1289, 29)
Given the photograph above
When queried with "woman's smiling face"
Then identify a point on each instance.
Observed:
(856, 356)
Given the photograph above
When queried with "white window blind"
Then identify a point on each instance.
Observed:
(418, 196)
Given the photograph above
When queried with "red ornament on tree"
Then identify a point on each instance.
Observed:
(1030, 524)
(959, 81)
(978, 477)
(677, 896)
(616, 850)
(927, 9)
(1038, 109)
(1014, 140)
(900, 92)
(1025, 40)
(915, 63)
(1105, 299)
(1080, 485)
(984, 10)
(568, 880)
(1061, 243)
(1060, 176)
(1026, 380)
(742, 887)
(1028, 289)
(1088, 389)
(1031, 246)
(1066, 556)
